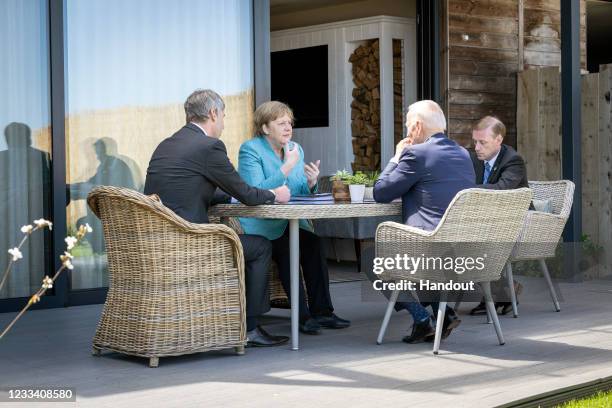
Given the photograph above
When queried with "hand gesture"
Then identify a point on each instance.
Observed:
(312, 173)
(292, 157)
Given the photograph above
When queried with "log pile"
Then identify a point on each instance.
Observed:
(398, 116)
(365, 107)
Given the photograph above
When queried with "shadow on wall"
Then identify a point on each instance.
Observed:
(113, 170)
(24, 196)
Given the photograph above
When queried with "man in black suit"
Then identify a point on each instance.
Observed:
(190, 171)
(497, 167)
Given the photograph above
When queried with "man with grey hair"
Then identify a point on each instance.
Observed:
(427, 171)
(190, 171)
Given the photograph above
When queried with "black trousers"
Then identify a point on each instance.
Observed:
(314, 270)
(257, 255)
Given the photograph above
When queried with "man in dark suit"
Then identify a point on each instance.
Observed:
(498, 167)
(190, 171)
(428, 170)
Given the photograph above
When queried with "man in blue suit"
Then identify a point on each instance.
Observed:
(427, 171)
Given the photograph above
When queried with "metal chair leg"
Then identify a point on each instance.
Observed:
(486, 286)
(458, 302)
(387, 317)
(439, 323)
(553, 294)
(512, 292)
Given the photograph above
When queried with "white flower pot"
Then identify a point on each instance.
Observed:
(369, 194)
(357, 192)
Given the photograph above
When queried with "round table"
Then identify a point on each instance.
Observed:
(293, 212)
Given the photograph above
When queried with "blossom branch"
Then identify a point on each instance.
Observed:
(48, 282)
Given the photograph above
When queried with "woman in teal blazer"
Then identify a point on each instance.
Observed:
(268, 161)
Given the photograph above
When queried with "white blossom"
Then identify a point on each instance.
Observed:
(15, 253)
(67, 264)
(42, 223)
(70, 241)
(88, 228)
(26, 229)
(47, 283)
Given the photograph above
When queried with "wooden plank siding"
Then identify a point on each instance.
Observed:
(488, 42)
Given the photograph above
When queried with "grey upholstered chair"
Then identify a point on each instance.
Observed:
(476, 221)
(542, 231)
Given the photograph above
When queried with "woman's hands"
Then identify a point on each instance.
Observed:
(292, 157)
(312, 173)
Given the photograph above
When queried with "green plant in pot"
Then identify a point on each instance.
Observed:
(340, 189)
(357, 185)
(369, 186)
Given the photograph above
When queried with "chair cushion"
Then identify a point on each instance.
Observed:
(543, 205)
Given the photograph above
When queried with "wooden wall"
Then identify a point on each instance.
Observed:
(539, 141)
(489, 41)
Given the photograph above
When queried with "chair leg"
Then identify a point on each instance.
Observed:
(486, 286)
(458, 302)
(553, 294)
(489, 320)
(511, 285)
(439, 323)
(96, 351)
(239, 350)
(335, 247)
(154, 362)
(387, 317)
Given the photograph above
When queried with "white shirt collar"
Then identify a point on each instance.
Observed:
(492, 161)
(202, 129)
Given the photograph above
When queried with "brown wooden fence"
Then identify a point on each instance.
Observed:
(539, 142)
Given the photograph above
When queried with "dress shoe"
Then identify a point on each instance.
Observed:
(332, 322)
(506, 307)
(420, 332)
(259, 338)
(310, 326)
(479, 310)
(451, 321)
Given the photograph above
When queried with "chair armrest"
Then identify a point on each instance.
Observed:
(397, 228)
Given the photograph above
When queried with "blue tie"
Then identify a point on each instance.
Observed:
(487, 173)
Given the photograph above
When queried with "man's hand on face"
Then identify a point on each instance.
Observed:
(401, 146)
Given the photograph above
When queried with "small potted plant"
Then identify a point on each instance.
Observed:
(357, 185)
(369, 186)
(340, 189)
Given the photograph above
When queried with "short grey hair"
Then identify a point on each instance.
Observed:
(430, 114)
(200, 103)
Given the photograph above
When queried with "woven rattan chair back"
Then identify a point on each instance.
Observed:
(174, 287)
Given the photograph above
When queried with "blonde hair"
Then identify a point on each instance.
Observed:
(268, 112)
(429, 114)
(496, 125)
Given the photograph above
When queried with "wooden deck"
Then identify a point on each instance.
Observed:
(544, 351)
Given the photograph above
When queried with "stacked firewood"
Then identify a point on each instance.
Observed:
(398, 116)
(365, 107)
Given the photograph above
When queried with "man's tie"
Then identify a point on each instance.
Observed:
(487, 173)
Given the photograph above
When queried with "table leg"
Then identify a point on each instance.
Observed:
(294, 256)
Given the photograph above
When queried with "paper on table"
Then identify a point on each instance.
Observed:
(313, 197)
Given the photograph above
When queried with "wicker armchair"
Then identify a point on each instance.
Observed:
(542, 231)
(278, 297)
(477, 222)
(174, 287)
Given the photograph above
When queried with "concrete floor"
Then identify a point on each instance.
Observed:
(544, 351)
